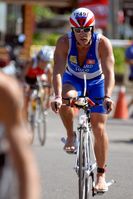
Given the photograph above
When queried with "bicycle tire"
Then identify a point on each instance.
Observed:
(89, 189)
(85, 182)
(31, 120)
(81, 166)
(41, 124)
(89, 186)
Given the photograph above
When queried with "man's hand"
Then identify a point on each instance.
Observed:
(108, 104)
(56, 104)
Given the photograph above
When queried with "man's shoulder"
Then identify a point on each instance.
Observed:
(63, 43)
(103, 37)
(63, 38)
(104, 40)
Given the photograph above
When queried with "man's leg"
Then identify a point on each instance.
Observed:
(100, 146)
(67, 116)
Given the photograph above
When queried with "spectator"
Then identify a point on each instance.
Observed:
(129, 60)
(14, 148)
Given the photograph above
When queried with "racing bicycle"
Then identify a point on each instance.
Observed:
(85, 163)
(37, 110)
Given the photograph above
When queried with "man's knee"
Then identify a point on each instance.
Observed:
(98, 129)
(69, 91)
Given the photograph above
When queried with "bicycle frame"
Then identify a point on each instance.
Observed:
(83, 123)
(85, 162)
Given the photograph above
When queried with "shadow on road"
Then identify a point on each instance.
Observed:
(130, 141)
(120, 122)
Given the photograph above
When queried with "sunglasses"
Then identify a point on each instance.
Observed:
(78, 30)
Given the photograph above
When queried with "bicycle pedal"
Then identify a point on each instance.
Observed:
(111, 182)
(71, 152)
(100, 192)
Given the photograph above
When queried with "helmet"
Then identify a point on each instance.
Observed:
(46, 54)
(82, 17)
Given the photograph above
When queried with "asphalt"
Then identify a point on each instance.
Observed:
(58, 179)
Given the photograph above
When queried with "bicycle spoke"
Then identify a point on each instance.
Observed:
(41, 125)
(31, 119)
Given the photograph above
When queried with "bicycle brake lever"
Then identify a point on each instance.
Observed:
(56, 107)
(108, 106)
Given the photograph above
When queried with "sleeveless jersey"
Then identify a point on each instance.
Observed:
(35, 71)
(91, 65)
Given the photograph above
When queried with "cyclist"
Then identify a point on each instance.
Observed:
(14, 148)
(40, 65)
(80, 51)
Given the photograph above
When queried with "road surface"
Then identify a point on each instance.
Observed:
(58, 179)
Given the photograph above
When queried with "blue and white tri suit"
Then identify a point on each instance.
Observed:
(74, 74)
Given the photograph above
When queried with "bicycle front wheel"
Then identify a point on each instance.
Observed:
(89, 188)
(31, 120)
(41, 124)
(81, 165)
(86, 189)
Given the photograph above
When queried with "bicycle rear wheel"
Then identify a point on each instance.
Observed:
(41, 124)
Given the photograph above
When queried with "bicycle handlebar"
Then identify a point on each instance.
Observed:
(80, 102)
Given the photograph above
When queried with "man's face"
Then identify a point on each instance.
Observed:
(83, 35)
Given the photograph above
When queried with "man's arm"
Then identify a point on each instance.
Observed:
(11, 103)
(107, 62)
(60, 57)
